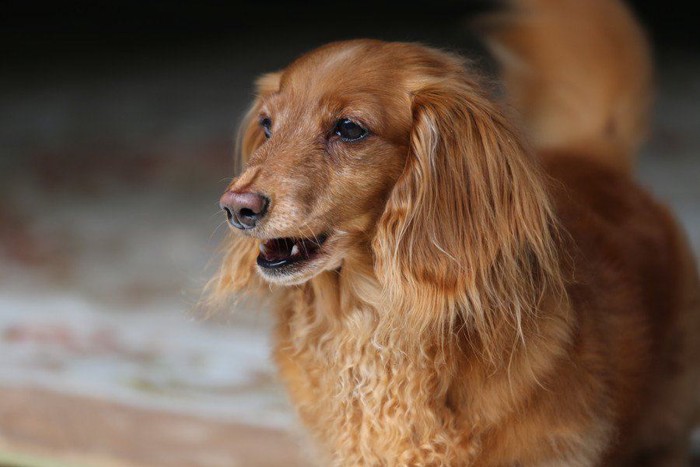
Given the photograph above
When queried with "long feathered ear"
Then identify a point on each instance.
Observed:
(250, 136)
(467, 236)
(237, 271)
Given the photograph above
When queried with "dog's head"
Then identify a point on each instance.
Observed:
(392, 151)
(323, 145)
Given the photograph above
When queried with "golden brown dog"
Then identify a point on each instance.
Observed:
(448, 296)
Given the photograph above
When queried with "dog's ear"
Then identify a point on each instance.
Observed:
(467, 233)
(250, 135)
(237, 271)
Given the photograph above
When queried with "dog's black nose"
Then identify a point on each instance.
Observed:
(244, 210)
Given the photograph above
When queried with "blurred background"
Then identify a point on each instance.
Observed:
(117, 121)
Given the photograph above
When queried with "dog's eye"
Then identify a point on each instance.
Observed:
(266, 125)
(349, 130)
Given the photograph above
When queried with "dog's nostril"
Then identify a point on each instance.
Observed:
(245, 212)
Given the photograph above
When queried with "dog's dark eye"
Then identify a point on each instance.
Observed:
(266, 125)
(349, 130)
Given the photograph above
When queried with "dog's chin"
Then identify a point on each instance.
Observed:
(293, 261)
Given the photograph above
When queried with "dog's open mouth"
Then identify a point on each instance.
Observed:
(278, 253)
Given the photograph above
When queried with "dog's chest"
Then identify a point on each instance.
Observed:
(367, 402)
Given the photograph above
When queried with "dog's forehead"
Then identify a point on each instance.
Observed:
(342, 67)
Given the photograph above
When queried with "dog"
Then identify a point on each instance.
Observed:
(460, 280)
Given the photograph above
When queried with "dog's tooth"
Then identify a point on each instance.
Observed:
(295, 250)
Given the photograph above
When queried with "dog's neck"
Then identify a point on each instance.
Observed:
(354, 289)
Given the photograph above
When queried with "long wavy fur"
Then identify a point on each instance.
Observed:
(468, 231)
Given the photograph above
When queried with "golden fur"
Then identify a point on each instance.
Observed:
(476, 302)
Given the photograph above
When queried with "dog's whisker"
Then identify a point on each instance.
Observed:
(216, 229)
(217, 213)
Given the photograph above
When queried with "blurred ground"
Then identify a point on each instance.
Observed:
(109, 182)
(96, 431)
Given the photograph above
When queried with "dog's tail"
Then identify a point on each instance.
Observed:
(578, 71)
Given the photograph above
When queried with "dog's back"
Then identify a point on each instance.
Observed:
(579, 74)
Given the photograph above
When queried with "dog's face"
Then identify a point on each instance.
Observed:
(328, 139)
